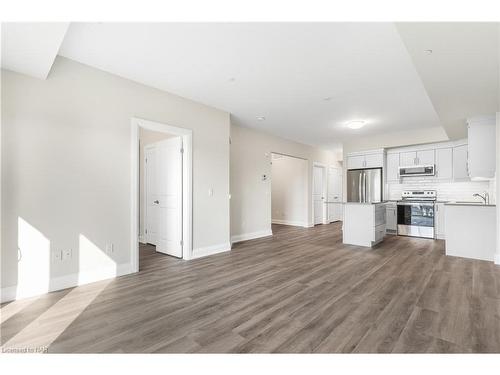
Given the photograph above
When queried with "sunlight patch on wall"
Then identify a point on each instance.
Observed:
(33, 275)
(92, 261)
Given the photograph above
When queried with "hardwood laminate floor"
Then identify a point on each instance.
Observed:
(299, 291)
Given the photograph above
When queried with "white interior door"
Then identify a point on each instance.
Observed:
(151, 218)
(318, 194)
(169, 201)
(334, 194)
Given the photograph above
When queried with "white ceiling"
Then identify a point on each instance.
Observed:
(30, 48)
(282, 71)
(461, 73)
(378, 72)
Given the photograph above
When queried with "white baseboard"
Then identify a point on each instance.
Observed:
(142, 239)
(210, 250)
(251, 236)
(497, 259)
(12, 293)
(291, 223)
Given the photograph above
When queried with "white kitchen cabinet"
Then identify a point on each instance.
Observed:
(460, 172)
(391, 221)
(408, 158)
(392, 170)
(425, 157)
(444, 163)
(369, 159)
(356, 162)
(421, 157)
(374, 160)
(439, 220)
(482, 147)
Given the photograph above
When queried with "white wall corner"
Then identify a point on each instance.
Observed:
(142, 239)
(251, 236)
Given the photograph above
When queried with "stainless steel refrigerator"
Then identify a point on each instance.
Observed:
(364, 185)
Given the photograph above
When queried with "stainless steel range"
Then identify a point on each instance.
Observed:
(416, 213)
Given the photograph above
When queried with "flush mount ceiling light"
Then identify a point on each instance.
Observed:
(260, 118)
(356, 124)
(428, 51)
(327, 99)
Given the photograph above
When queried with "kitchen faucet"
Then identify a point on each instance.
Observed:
(485, 197)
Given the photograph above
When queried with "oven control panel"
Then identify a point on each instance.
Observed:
(419, 194)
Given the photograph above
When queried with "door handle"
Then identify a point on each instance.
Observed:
(156, 202)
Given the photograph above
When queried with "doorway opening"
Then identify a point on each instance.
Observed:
(161, 214)
(289, 190)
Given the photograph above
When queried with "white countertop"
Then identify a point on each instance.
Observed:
(471, 204)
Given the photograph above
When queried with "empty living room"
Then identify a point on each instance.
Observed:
(250, 186)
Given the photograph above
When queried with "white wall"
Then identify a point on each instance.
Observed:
(66, 167)
(289, 190)
(146, 137)
(497, 255)
(250, 195)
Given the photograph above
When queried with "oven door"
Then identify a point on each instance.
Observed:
(416, 219)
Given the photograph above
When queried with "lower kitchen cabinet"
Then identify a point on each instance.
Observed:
(439, 227)
(391, 219)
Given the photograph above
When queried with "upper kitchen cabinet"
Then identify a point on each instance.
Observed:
(425, 157)
(448, 158)
(444, 163)
(392, 172)
(482, 147)
(356, 162)
(408, 158)
(421, 157)
(374, 160)
(368, 159)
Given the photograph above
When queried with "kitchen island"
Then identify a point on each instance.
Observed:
(470, 230)
(364, 223)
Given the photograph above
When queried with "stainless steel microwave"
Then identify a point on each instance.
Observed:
(417, 170)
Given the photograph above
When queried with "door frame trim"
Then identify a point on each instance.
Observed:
(324, 192)
(145, 198)
(187, 185)
(341, 176)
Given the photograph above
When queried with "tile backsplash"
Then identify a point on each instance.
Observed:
(446, 191)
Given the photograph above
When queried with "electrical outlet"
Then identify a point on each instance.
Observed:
(67, 254)
(56, 256)
(110, 248)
